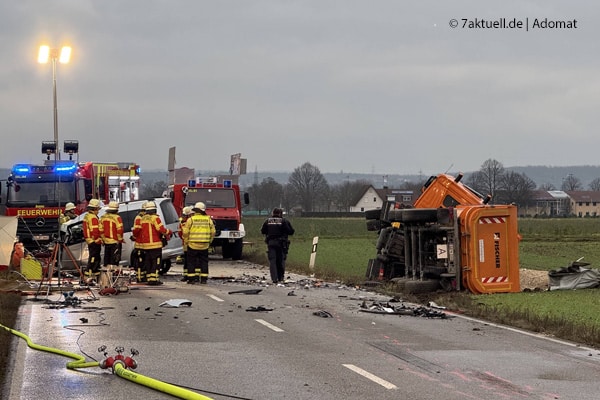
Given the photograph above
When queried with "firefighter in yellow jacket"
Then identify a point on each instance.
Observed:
(92, 232)
(198, 232)
(112, 234)
(137, 255)
(148, 236)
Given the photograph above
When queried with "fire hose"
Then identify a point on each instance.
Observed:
(120, 365)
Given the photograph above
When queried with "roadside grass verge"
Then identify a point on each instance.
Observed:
(345, 246)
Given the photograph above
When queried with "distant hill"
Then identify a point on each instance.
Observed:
(539, 174)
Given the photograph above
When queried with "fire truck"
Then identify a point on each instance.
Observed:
(37, 194)
(451, 239)
(223, 202)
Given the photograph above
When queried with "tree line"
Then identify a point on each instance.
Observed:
(308, 190)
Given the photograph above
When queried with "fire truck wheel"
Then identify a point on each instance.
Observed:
(416, 287)
(373, 214)
(236, 250)
(165, 267)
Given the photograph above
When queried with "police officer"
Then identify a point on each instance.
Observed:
(92, 232)
(69, 213)
(148, 235)
(186, 213)
(112, 234)
(276, 230)
(198, 232)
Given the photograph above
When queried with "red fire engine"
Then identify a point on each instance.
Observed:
(37, 194)
(223, 203)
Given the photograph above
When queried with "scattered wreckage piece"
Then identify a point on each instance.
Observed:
(387, 308)
(258, 309)
(175, 303)
(323, 314)
(246, 291)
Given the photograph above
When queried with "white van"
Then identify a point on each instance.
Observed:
(73, 234)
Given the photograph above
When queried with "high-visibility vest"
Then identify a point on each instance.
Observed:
(198, 232)
(149, 233)
(92, 231)
(112, 228)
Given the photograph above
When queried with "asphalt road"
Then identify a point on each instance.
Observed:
(224, 347)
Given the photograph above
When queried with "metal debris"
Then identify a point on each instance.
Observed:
(402, 309)
(174, 303)
(323, 314)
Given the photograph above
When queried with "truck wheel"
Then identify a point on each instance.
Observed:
(165, 267)
(417, 287)
(373, 214)
(236, 249)
(226, 250)
(420, 215)
(373, 225)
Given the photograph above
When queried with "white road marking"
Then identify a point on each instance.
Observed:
(215, 298)
(370, 376)
(268, 325)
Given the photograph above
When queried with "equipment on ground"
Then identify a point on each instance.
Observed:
(451, 238)
(223, 202)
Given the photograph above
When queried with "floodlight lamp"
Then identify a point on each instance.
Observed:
(48, 148)
(65, 55)
(71, 146)
(44, 54)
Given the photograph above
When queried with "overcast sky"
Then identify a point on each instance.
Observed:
(355, 86)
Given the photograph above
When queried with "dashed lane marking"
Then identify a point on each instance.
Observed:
(215, 298)
(370, 376)
(268, 325)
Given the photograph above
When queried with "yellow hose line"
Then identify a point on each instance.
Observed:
(118, 369)
(156, 384)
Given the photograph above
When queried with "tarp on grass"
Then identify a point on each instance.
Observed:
(574, 276)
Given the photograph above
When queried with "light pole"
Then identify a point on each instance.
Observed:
(62, 55)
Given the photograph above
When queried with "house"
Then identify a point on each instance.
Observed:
(551, 203)
(584, 203)
(371, 198)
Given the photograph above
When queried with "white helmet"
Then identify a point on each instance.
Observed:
(69, 206)
(113, 206)
(150, 206)
(199, 206)
(187, 210)
(94, 203)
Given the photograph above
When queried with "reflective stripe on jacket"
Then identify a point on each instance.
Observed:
(148, 233)
(112, 228)
(92, 231)
(198, 232)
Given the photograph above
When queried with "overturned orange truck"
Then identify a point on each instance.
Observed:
(451, 238)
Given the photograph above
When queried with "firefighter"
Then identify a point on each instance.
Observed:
(68, 215)
(92, 232)
(185, 215)
(198, 232)
(112, 234)
(276, 230)
(149, 236)
(138, 254)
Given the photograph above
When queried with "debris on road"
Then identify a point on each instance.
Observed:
(175, 303)
(258, 309)
(323, 314)
(402, 309)
(246, 291)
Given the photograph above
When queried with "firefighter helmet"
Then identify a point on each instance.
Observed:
(199, 206)
(150, 205)
(69, 206)
(187, 210)
(113, 206)
(94, 203)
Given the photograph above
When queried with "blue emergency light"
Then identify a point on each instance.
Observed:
(65, 168)
(192, 183)
(227, 183)
(21, 169)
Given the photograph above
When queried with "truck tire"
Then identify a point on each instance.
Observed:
(373, 225)
(418, 287)
(419, 215)
(226, 250)
(237, 249)
(373, 214)
(384, 236)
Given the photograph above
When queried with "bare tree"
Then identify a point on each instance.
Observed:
(155, 189)
(271, 193)
(571, 183)
(490, 175)
(595, 185)
(547, 187)
(309, 186)
(343, 195)
(515, 188)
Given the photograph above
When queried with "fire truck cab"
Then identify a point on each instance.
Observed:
(223, 203)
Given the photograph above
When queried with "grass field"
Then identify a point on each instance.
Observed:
(345, 246)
